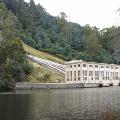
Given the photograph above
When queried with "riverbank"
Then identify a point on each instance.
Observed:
(29, 86)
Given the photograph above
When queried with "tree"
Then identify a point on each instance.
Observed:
(12, 54)
(93, 46)
(115, 44)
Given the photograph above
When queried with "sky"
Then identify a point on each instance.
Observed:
(100, 13)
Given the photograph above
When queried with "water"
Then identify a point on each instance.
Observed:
(61, 104)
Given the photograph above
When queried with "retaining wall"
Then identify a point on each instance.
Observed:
(29, 86)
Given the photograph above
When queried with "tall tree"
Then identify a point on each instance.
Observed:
(12, 54)
(93, 46)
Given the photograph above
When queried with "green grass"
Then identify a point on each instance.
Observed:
(42, 74)
(43, 55)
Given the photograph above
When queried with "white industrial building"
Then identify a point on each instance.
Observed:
(79, 71)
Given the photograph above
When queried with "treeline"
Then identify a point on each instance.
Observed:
(13, 62)
(67, 40)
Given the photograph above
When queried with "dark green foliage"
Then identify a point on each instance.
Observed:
(27, 68)
(64, 39)
(7, 83)
(13, 64)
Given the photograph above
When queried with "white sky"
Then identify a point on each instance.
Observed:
(100, 13)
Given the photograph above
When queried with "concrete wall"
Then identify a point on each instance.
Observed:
(29, 86)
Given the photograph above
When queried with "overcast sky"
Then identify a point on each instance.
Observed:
(100, 13)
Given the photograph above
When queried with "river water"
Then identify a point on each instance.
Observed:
(61, 104)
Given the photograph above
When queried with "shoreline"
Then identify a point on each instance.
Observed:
(32, 86)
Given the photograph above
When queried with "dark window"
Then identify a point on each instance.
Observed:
(90, 65)
(74, 65)
(74, 73)
(96, 66)
(78, 78)
(84, 65)
(107, 66)
(116, 67)
(71, 73)
(78, 72)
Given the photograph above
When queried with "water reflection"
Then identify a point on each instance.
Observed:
(60, 104)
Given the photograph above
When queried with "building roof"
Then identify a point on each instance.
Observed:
(79, 61)
(74, 61)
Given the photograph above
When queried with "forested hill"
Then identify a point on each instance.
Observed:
(67, 40)
(13, 61)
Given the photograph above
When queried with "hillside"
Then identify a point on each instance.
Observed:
(67, 40)
(41, 73)
(43, 55)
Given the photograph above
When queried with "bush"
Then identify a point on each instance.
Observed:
(28, 68)
(7, 83)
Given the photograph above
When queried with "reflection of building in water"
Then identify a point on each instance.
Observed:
(79, 71)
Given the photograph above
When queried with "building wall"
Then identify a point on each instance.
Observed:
(90, 72)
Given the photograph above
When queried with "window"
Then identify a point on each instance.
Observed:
(67, 74)
(75, 79)
(102, 66)
(90, 73)
(106, 74)
(70, 66)
(116, 67)
(84, 65)
(111, 67)
(96, 78)
(111, 74)
(71, 79)
(71, 73)
(84, 78)
(107, 66)
(78, 72)
(90, 65)
(74, 73)
(79, 78)
(74, 65)
(96, 66)
(67, 79)
(102, 73)
(91, 78)
(96, 73)
(78, 65)
(116, 74)
(84, 72)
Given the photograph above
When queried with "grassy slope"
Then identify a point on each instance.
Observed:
(43, 55)
(40, 73)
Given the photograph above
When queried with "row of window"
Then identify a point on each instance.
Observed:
(97, 73)
(96, 66)
(75, 79)
(74, 66)
(96, 78)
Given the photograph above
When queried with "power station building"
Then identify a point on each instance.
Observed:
(79, 71)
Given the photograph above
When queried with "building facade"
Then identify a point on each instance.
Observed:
(79, 71)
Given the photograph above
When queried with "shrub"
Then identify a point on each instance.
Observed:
(28, 68)
(7, 83)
